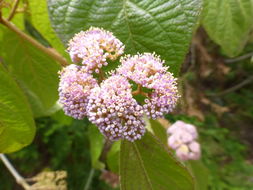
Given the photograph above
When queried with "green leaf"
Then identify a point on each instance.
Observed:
(147, 164)
(34, 70)
(113, 157)
(96, 146)
(161, 26)
(17, 127)
(200, 172)
(228, 23)
(40, 19)
(159, 131)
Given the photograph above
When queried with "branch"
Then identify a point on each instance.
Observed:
(49, 51)
(13, 10)
(101, 75)
(139, 91)
(234, 88)
(19, 179)
(240, 58)
(1, 2)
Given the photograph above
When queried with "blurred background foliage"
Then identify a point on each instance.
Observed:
(217, 92)
(224, 123)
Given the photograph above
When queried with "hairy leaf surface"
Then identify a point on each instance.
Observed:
(161, 26)
(34, 70)
(147, 164)
(228, 23)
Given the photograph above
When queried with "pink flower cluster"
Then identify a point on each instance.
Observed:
(114, 110)
(93, 47)
(110, 104)
(74, 89)
(148, 70)
(183, 140)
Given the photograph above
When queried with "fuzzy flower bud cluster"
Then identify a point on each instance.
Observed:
(93, 47)
(110, 102)
(183, 140)
(74, 89)
(114, 110)
(148, 71)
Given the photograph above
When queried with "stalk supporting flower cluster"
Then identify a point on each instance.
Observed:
(182, 138)
(110, 104)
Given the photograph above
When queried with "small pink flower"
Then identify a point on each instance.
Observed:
(183, 126)
(183, 152)
(183, 140)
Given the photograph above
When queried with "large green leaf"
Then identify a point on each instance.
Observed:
(40, 20)
(16, 123)
(161, 26)
(147, 164)
(228, 23)
(34, 70)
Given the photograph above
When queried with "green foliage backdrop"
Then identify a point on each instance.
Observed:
(33, 49)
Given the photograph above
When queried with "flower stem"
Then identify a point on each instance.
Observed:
(49, 51)
(101, 75)
(139, 91)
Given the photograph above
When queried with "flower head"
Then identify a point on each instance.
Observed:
(190, 152)
(164, 97)
(93, 47)
(147, 70)
(141, 68)
(182, 126)
(113, 109)
(74, 88)
(110, 105)
(183, 140)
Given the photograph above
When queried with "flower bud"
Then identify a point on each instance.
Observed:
(74, 89)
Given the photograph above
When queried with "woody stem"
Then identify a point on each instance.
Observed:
(49, 51)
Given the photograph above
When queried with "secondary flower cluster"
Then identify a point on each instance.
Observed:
(110, 104)
(74, 89)
(93, 47)
(183, 140)
(114, 110)
(148, 70)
